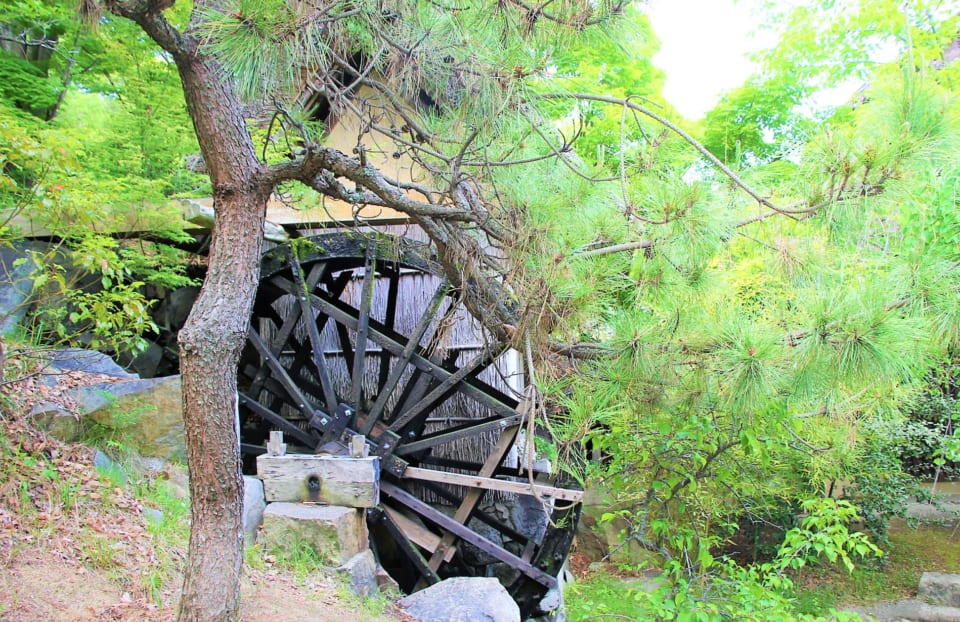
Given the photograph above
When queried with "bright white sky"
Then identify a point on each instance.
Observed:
(703, 48)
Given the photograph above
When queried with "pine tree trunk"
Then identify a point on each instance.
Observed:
(211, 341)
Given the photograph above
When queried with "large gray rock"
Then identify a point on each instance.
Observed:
(906, 610)
(947, 510)
(334, 532)
(16, 286)
(361, 573)
(57, 421)
(89, 361)
(529, 516)
(472, 555)
(462, 599)
(253, 507)
(148, 413)
(938, 588)
(145, 363)
(152, 468)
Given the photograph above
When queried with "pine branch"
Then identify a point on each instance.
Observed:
(628, 103)
(319, 167)
(148, 15)
(578, 21)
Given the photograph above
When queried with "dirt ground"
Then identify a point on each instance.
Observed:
(75, 547)
(36, 586)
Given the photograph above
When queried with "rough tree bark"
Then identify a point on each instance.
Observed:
(214, 334)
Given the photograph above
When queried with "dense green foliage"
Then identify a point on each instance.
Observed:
(753, 356)
(108, 161)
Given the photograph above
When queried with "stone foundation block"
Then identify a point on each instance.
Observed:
(336, 533)
(253, 507)
(938, 588)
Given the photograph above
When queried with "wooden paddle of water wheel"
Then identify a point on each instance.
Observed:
(330, 357)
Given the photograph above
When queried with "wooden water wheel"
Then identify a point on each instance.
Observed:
(359, 334)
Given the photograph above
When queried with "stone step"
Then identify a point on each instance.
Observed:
(907, 611)
(940, 588)
(938, 600)
(947, 511)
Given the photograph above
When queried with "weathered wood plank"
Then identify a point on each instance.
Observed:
(335, 480)
(489, 483)
(473, 496)
(460, 531)
(428, 575)
(417, 533)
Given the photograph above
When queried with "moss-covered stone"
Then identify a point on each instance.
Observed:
(335, 533)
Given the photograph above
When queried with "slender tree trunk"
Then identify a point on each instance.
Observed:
(211, 341)
(210, 345)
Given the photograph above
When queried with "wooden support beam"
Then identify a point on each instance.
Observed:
(489, 483)
(417, 533)
(473, 496)
(335, 480)
(462, 531)
(428, 575)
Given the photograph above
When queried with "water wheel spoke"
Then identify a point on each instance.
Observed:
(281, 422)
(466, 465)
(482, 426)
(268, 313)
(287, 323)
(445, 388)
(473, 496)
(458, 530)
(298, 399)
(313, 332)
(263, 371)
(409, 548)
(491, 483)
(417, 386)
(417, 533)
(252, 450)
(347, 318)
(403, 360)
(486, 519)
(363, 324)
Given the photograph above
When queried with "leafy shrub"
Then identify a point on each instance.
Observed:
(880, 487)
(88, 289)
(25, 85)
(698, 586)
(929, 432)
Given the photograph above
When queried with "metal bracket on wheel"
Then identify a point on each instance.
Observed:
(386, 444)
(331, 426)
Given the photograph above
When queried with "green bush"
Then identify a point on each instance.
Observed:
(25, 85)
(880, 486)
(933, 421)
